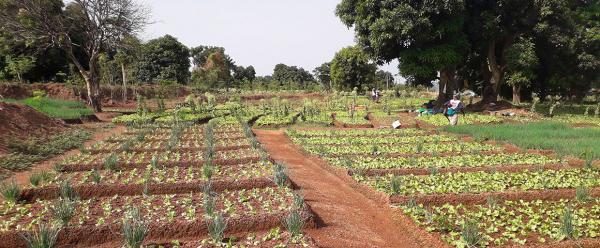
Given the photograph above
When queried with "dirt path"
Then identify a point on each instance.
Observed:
(22, 178)
(346, 217)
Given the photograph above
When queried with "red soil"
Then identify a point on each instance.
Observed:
(21, 122)
(345, 217)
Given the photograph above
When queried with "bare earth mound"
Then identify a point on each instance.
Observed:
(22, 122)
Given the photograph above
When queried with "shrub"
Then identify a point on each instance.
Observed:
(11, 192)
(44, 237)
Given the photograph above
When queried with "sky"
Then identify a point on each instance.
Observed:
(261, 33)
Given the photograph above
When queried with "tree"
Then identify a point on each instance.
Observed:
(200, 55)
(214, 73)
(250, 74)
(323, 74)
(164, 59)
(425, 36)
(493, 27)
(521, 64)
(283, 73)
(351, 68)
(383, 79)
(19, 66)
(128, 52)
(102, 23)
(244, 74)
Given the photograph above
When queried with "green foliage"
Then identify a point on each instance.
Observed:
(294, 223)
(323, 74)
(56, 108)
(19, 65)
(582, 194)
(134, 229)
(164, 59)
(470, 233)
(543, 135)
(66, 191)
(11, 192)
(37, 178)
(215, 73)
(216, 228)
(522, 62)
(111, 162)
(567, 225)
(396, 185)
(280, 176)
(63, 211)
(351, 68)
(96, 177)
(44, 237)
(287, 74)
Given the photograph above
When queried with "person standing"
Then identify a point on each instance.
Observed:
(454, 106)
(373, 95)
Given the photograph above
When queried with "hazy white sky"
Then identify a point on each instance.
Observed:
(261, 33)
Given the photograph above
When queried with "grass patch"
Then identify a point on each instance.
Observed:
(56, 108)
(565, 140)
(26, 152)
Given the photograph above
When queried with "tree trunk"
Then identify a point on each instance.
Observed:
(516, 94)
(447, 85)
(92, 81)
(95, 96)
(124, 73)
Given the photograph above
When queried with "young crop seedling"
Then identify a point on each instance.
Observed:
(298, 201)
(470, 233)
(66, 191)
(39, 177)
(280, 177)
(567, 225)
(110, 163)
(96, 177)
(294, 223)
(216, 228)
(11, 192)
(63, 211)
(44, 237)
(582, 194)
(134, 229)
(396, 185)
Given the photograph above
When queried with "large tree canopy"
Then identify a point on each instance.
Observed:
(284, 73)
(164, 59)
(323, 74)
(90, 26)
(351, 68)
(472, 40)
(425, 36)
